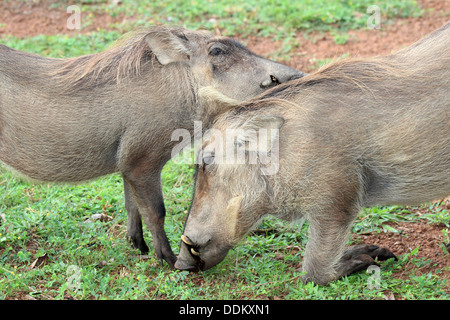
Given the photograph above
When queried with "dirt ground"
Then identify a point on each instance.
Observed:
(34, 17)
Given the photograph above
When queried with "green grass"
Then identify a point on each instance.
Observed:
(58, 46)
(50, 224)
(280, 20)
(255, 17)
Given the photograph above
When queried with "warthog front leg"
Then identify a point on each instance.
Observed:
(327, 258)
(148, 203)
(328, 235)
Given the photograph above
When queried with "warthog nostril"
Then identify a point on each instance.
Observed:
(272, 81)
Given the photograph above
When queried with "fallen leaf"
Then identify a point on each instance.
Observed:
(99, 216)
(39, 261)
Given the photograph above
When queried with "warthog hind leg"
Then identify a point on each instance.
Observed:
(135, 232)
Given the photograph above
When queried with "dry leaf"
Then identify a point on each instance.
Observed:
(39, 261)
(99, 216)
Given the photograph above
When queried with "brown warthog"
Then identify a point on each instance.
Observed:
(359, 132)
(67, 120)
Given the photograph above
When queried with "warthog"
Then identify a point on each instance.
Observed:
(357, 133)
(67, 120)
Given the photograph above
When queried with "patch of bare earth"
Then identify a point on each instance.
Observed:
(434, 249)
(34, 17)
(392, 36)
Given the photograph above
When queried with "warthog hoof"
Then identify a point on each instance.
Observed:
(162, 250)
(164, 253)
(138, 242)
(170, 259)
(360, 257)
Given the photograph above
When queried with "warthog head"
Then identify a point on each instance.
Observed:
(219, 62)
(231, 158)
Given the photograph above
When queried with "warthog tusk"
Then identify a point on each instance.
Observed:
(186, 240)
(195, 253)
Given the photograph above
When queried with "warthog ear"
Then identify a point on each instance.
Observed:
(168, 47)
(260, 133)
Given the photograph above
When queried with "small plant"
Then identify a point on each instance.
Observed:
(339, 37)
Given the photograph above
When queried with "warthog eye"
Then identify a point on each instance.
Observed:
(216, 51)
(208, 158)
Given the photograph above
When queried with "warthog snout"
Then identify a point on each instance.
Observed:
(280, 75)
(189, 258)
(196, 256)
(272, 81)
(207, 248)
